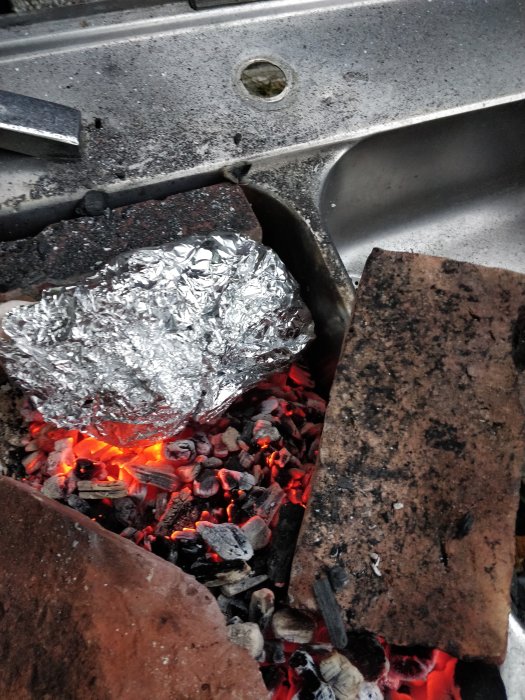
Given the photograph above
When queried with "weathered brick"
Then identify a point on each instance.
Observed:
(86, 614)
(421, 456)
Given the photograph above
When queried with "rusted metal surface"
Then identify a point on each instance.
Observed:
(417, 487)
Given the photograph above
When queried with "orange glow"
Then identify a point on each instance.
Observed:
(439, 685)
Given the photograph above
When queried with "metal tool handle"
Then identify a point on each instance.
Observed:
(37, 127)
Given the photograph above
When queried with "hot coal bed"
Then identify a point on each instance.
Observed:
(224, 501)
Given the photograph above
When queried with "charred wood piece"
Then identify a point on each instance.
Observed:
(182, 511)
(165, 480)
(102, 489)
(283, 542)
(331, 612)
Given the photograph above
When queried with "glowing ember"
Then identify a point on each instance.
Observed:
(211, 500)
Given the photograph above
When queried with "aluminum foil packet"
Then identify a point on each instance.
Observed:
(158, 338)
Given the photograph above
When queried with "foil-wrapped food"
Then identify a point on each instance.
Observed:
(158, 338)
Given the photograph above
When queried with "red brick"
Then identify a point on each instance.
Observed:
(87, 614)
(424, 412)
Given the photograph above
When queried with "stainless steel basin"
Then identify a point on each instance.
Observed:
(453, 187)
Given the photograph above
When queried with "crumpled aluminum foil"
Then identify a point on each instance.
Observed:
(158, 338)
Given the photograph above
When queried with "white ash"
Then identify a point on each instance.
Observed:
(262, 607)
(257, 532)
(233, 589)
(342, 676)
(248, 636)
(370, 691)
(293, 626)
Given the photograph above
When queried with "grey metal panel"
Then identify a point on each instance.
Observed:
(165, 84)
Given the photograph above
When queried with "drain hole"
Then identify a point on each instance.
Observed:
(264, 80)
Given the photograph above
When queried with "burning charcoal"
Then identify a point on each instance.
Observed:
(366, 652)
(206, 484)
(161, 503)
(78, 503)
(231, 479)
(85, 469)
(264, 432)
(315, 403)
(257, 531)
(189, 472)
(62, 455)
(301, 376)
(311, 430)
(248, 636)
(181, 512)
(293, 626)
(342, 676)
(54, 487)
(283, 542)
(212, 463)
(289, 428)
(262, 606)
(227, 540)
(312, 687)
(156, 476)
(219, 448)
(269, 405)
(331, 612)
(280, 459)
(34, 462)
(265, 418)
(30, 445)
(126, 512)
(229, 438)
(246, 434)
(409, 664)
(233, 589)
(102, 489)
(267, 501)
(165, 548)
(202, 444)
(246, 460)
(181, 451)
(369, 691)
